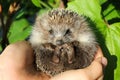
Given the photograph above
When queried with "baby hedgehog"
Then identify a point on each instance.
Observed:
(62, 40)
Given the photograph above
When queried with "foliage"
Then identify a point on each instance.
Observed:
(106, 15)
(22, 29)
(12, 11)
(49, 3)
(17, 16)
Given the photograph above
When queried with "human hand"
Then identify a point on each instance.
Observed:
(92, 72)
(16, 63)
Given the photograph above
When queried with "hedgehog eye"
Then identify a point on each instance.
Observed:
(68, 31)
(51, 31)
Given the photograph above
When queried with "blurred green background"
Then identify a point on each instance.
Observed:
(18, 16)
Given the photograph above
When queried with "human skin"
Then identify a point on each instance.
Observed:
(16, 63)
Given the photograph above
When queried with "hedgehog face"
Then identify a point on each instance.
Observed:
(60, 34)
(58, 27)
(57, 34)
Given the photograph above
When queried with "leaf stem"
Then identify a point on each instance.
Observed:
(103, 17)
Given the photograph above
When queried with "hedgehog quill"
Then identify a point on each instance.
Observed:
(62, 40)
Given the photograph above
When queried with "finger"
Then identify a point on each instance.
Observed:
(100, 78)
(95, 70)
(99, 53)
(70, 75)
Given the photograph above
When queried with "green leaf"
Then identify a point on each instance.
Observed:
(112, 39)
(36, 3)
(110, 12)
(90, 8)
(102, 1)
(19, 30)
(19, 13)
(40, 3)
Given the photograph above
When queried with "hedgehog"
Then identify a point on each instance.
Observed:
(62, 40)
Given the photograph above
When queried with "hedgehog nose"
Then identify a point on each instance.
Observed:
(59, 42)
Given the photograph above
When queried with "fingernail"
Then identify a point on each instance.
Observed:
(104, 61)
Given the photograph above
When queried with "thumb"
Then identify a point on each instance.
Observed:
(95, 70)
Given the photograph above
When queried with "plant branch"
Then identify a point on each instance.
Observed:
(5, 29)
(6, 23)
